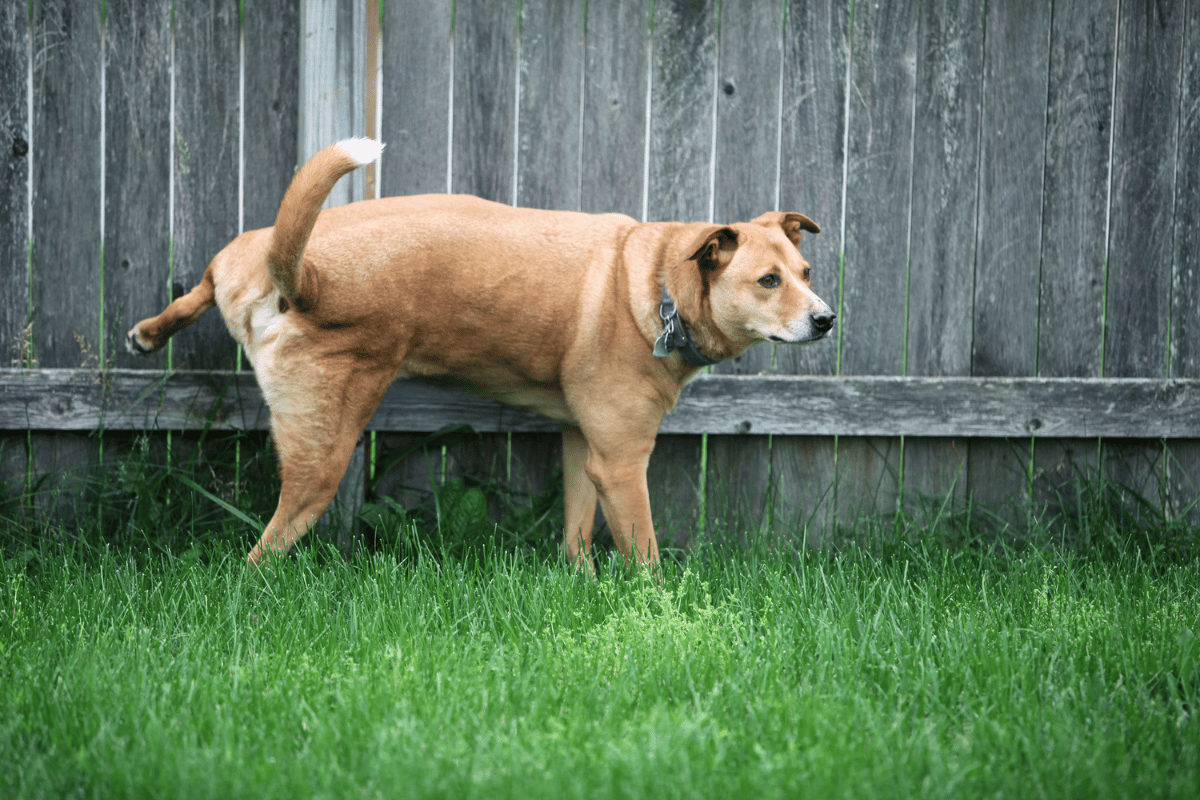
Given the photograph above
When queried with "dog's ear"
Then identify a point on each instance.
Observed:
(791, 223)
(713, 248)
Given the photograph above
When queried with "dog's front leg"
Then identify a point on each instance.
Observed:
(579, 499)
(616, 465)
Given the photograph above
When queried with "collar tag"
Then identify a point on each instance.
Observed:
(675, 336)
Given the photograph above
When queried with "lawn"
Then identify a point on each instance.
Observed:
(919, 669)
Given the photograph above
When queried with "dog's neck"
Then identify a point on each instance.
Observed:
(675, 335)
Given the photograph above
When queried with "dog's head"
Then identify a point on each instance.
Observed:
(752, 281)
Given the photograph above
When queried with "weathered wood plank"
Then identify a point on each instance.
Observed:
(271, 35)
(1184, 463)
(14, 213)
(616, 65)
(333, 56)
(14, 177)
(548, 171)
(1075, 214)
(683, 62)
(872, 324)
(1012, 142)
(1141, 230)
(84, 400)
(485, 75)
(942, 254)
(812, 157)
(206, 165)
(137, 155)
(417, 56)
(745, 185)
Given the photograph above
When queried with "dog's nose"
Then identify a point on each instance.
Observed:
(823, 321)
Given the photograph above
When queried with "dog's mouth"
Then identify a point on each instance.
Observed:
(816, 337)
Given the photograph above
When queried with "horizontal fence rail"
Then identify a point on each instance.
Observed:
(782, 405)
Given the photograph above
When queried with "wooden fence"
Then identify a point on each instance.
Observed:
(1009, 195)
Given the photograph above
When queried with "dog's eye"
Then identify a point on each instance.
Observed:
(769, 281)
(807, 274)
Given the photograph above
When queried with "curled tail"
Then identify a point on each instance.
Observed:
(298, 213)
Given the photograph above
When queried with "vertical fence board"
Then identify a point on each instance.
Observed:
(942, 254)
(1071, 294)
(744, 186)
(1141, 240)
(271, 35)
(137, 245)
(484, 148)
(1012, 145)
(614, 107)
(879, 183)
(14, 212)
(812, 157)
(66, 253)
(684, 63)
(333, 57)
(416, 57)
(548, 167)
(1185, 297)
(206, 165)
(417, 67)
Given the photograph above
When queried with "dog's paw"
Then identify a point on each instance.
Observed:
(133, 344)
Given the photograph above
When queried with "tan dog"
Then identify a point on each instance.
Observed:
(557, 312)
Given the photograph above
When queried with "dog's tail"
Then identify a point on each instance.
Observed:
(298, 213)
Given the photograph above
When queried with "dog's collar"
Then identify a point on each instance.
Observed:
(675, 335)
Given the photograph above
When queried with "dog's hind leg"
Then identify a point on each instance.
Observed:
(315, 432)
(152, 334)
(579, 498)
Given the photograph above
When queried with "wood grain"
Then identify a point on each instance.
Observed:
(271, 108)
(812, 157)
(739, 405)
(1012, 144)
(683, 64)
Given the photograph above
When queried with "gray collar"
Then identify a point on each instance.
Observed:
(675, 335)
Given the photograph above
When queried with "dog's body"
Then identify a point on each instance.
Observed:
(557, 312)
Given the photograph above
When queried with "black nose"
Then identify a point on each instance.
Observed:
(823, 321)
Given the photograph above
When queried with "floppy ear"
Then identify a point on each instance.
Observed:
(713, 248)
(791, 223)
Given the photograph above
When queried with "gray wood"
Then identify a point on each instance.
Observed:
(66, 201)
(683, 65)
(416, 56)
(486, 50)
(333, 50)
(744, 186)
(206, 167)
(1141, 229)
(14, 214)
(271, 107)
(878, 202)
(942, 254)
(1075, 214)
(1012, 144)
(14, 178)
(548, 171)
(738, 405)
(137, 156)
(616, 64)
(66, 264)
(812, 157)
(1184, 458)
(485, 75)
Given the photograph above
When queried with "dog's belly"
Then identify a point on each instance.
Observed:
(496, 383)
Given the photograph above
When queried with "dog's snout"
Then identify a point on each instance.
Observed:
(823, 320)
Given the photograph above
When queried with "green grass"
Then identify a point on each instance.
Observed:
(455, 656)
(925, 673)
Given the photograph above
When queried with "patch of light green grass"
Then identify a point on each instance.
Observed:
(932, 673)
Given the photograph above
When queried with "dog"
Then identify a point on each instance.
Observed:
(596, 321)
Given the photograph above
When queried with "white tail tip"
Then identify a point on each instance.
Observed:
(363, 151)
